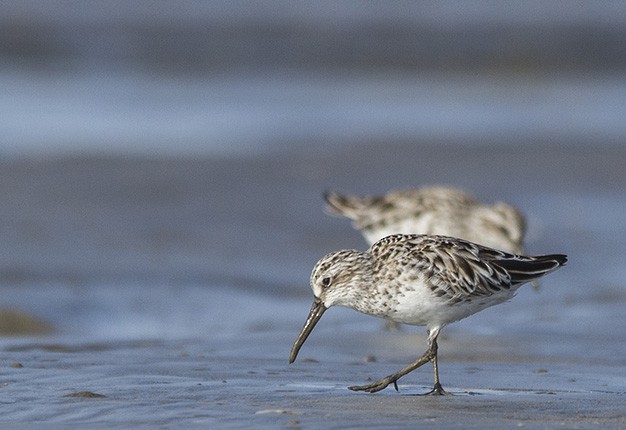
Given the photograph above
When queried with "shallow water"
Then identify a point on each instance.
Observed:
(129, 112)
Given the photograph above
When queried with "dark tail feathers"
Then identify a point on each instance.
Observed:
(529, 268)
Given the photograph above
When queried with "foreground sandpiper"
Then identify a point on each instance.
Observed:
(419, 280)
(432, 210)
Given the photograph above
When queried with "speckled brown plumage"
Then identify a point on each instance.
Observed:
(420, 280)
(433, 210)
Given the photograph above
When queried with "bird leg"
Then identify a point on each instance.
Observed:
(437, 389)
(429, 355)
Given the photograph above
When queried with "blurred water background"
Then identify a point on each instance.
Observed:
(162, 162)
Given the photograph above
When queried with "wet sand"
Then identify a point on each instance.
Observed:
(176, 286)
(239, 383)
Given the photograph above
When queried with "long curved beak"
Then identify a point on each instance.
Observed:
(316, 312)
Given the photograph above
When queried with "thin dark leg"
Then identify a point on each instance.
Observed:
(437, 389)
(429, 355)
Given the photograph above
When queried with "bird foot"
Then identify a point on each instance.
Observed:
(381, 384)
(437, 391)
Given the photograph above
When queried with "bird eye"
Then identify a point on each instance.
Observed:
(326, 282)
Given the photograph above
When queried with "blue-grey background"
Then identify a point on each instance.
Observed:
(162, 165)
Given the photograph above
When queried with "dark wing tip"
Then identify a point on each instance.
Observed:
(339, 204)
(561, 259)
(329, 196)
(530, 268)
(332, 200)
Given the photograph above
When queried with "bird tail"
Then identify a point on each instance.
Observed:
(343, 205)
(525, 269)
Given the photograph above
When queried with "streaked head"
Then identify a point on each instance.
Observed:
(513, 219)
(502, 227)
(331, 280)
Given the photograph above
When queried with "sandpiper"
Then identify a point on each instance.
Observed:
(433, 210)
(422, 280)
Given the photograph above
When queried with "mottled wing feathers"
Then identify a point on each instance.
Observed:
(371, 214)
(432, 210)
(464, 273)
(461, 270)
(367, 210)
